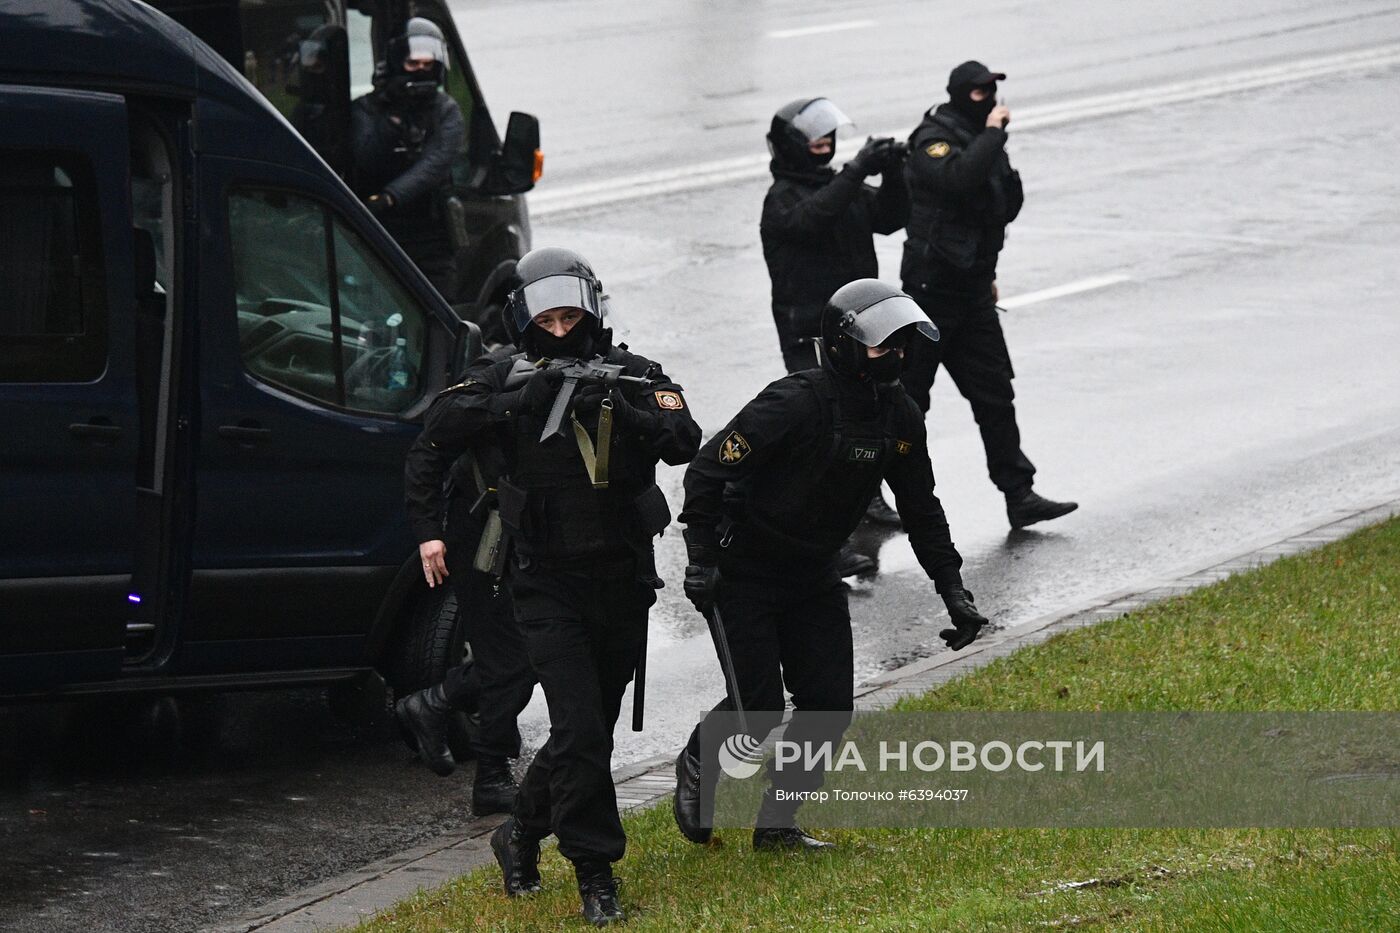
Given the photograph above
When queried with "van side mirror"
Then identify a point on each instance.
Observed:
(466, 347)
(520, 162)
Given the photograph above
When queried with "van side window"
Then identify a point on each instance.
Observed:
(53, 308)
(318, 314)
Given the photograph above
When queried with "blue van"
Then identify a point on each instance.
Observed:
(212, 362)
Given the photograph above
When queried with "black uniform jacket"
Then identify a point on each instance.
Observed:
(963, 193)
(791, 475)
(387, 158)
(427, 468)
(817, 229)
(564, 516)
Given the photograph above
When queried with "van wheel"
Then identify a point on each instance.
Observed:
(434, 640)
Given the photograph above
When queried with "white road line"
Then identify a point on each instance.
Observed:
(818, 30)
(744, 168)
(1060, 291)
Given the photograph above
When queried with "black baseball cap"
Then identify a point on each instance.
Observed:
(972, 74)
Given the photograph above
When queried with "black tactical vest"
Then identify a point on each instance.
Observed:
(964, 233)
(561, 515)
(809, 508)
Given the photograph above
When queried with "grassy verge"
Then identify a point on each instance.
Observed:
(1318, 631)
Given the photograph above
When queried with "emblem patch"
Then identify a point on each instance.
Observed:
(902, 447)
(734, 448)
(938, 150)
(865, 454)
(669, 401)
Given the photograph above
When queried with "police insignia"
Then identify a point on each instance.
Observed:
(938, 150)
(734, 448)
(669, 401)
(865, 454)
(902, 447)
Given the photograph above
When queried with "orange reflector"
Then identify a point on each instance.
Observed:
(539, 165)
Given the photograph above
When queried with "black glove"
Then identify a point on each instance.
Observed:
(538, 394)
(702, 576)
(873, 156)
(629, 416)
(588, 399)
(967, 621)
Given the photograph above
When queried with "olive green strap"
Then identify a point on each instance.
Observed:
(596, 461)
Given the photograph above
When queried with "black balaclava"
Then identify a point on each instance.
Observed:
(884, 368)
(820, 160)
(975, 111)
(577, 344)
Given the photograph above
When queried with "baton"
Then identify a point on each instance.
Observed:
(726, 663)
(639, 686)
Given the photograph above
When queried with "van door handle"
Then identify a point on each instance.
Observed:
(246, 434)
(100, 431)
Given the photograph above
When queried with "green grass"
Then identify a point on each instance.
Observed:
(1318, 631)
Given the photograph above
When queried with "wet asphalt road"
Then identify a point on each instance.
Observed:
(1239, 376)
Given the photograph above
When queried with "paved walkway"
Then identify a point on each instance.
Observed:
(350, 898)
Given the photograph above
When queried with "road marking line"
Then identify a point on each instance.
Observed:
(747, 167)
(1060, 291)
(817, 30)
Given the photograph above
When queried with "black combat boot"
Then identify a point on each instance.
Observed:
(518, 854)
(686, 805)
(425, 715)
(597, 890)
(880, 513)
(776, 829)
(494, 788)
(852, 563)
(1027, 508)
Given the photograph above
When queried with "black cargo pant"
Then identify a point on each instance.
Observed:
(791, 631)
(972, 348)
(500, 678)
(584, 630)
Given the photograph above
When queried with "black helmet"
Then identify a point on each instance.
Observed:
(867, 313)
(797, 125)
(421, 39)
(551, 277)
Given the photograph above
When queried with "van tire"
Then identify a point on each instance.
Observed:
(434, 640)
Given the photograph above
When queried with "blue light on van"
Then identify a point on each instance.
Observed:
(133, 597)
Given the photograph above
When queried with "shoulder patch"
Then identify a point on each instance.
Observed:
(734, 448)
(669, 401)
(902, 447)
(938, 150)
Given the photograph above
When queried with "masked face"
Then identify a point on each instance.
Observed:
(886, 367)
(576, 342)
(976, 110)
(821, 149)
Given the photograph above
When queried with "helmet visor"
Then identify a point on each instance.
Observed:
(879, 321)
(820, 118)
(556, 291)
(426, 47)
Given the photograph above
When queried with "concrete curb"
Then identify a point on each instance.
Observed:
(355, 896)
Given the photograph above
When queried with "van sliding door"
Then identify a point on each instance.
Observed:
(68, 457)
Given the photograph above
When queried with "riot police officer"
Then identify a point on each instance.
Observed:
(762, 554)
(405, 135)
(818, 230)
(964, 193)
(818, 225)
(447, 485)
(582, 507)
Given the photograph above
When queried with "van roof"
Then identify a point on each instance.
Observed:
(116, 44)
(127, 47)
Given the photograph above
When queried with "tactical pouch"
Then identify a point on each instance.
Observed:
(956, 245)
(652, 510)
(512, 505)
(491, 548)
